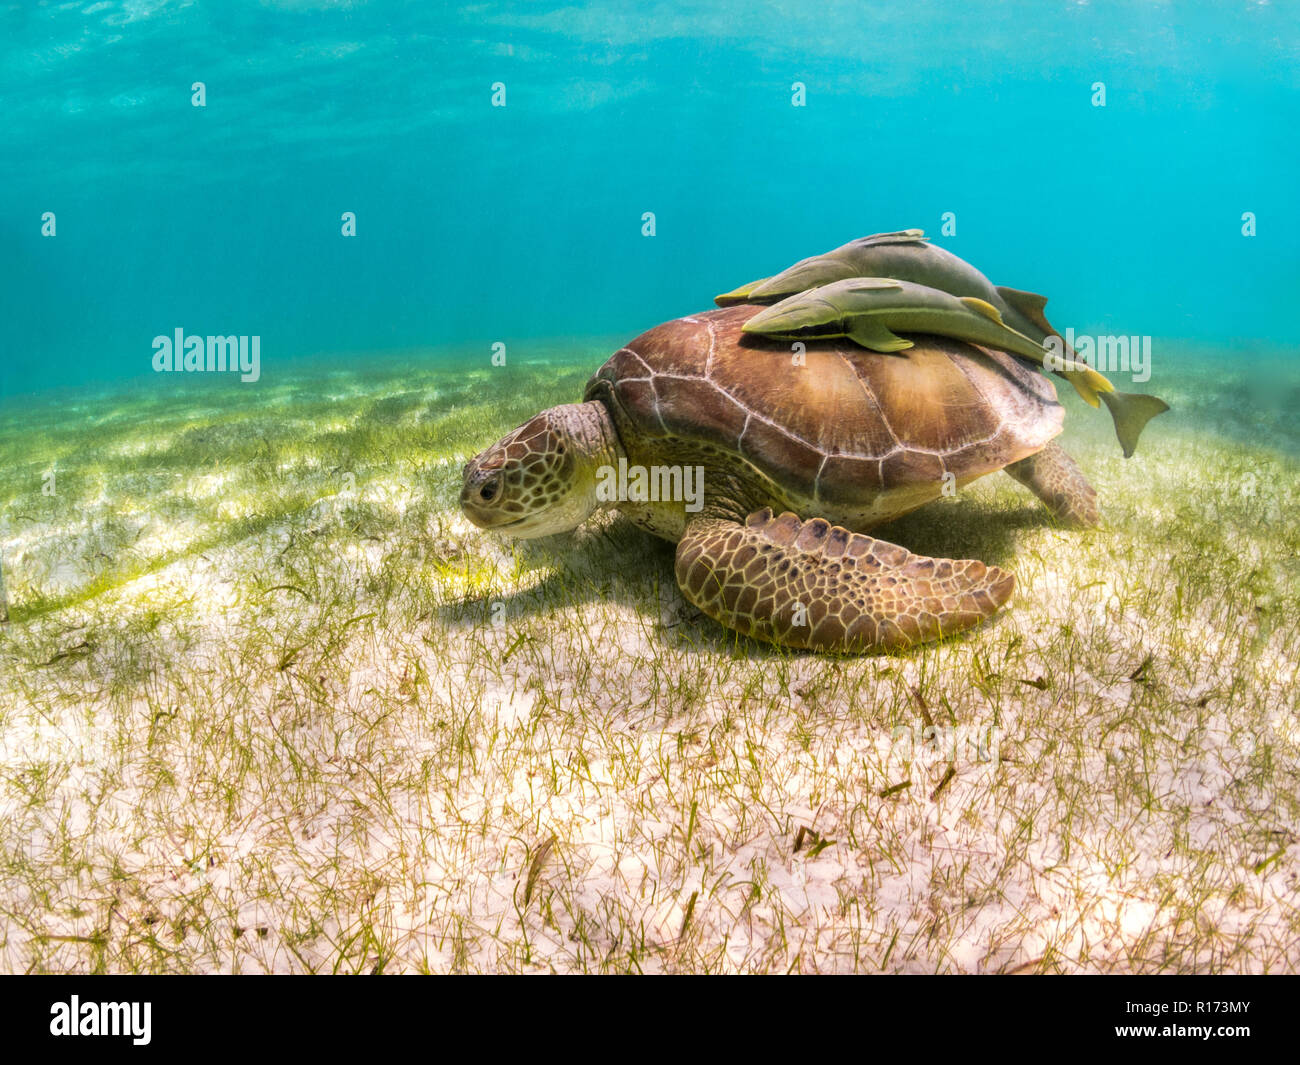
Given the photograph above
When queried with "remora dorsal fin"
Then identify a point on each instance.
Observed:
(1030, 304)
(871, 284)
(979, 306)
(902, 236)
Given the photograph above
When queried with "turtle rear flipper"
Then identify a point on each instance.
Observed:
(816, 585)
(1056, 479)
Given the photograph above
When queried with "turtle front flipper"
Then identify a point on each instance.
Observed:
(816, 585)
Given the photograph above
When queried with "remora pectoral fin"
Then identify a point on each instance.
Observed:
(873, 335)
(1131, 411)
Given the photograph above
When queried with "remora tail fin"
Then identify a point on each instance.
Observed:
(1131, 411)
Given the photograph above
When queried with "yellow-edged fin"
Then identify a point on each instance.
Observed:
(983, 307)
(1096, 381)
(1086, 381)
(1081, 385)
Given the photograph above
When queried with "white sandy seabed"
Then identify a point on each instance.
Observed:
(326, 747)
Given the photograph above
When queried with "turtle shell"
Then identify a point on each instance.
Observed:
(846, 427)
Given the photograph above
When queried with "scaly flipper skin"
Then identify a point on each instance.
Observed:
(1056, 479)
(851, 592)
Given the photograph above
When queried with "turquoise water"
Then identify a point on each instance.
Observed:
(477, 224)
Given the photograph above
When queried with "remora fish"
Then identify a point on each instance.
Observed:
(818, 270)
(868, 310)
(907, 256)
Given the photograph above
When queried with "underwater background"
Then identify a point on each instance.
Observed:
(524, 223)
(270, 702)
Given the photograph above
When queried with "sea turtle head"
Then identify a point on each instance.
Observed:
(541, 478)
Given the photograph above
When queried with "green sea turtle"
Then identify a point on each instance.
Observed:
(799, 458)
(867, 310)
(909, 257)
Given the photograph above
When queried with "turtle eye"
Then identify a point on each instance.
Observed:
(489, 490)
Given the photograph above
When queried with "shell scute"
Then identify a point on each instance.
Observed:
(843, 424)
